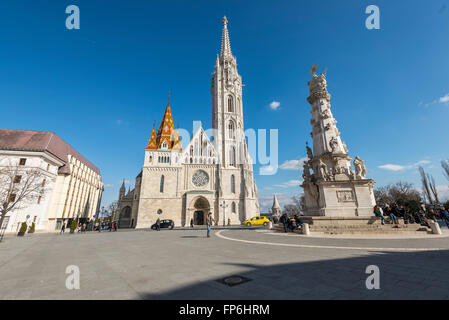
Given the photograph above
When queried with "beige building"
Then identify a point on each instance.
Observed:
(211, 175)
(73, 184)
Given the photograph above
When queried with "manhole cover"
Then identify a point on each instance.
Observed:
(233, 280)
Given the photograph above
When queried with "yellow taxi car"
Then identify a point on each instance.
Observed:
(256, 221)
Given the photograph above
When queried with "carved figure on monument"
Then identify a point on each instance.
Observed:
(333, 144)
(326, 114)
(306, 172)
(322, 169)
(345, 147)
(309, 151)
(360, 169)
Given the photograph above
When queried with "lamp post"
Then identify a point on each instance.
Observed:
(224, 206)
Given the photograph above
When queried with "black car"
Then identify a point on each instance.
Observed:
(167, 223)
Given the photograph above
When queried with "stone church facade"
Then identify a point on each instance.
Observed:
(211, 175)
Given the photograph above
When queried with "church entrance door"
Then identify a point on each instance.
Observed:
(198, 217)
(201, 209)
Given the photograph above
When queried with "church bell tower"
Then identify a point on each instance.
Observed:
(227, 111)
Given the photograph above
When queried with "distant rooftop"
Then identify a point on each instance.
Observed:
(41, 141)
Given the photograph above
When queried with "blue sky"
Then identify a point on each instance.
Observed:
(101, 88)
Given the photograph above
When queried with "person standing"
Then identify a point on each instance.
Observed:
(191, 223)
(62, 228)
(284, 221)
(444, 215)
(209, 223)
(115, 226)
(158, 224)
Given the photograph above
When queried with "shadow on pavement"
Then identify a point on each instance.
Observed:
(403, 275)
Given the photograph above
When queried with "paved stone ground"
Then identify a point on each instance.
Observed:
(184, 264)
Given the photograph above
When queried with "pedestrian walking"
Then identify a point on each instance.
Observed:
(62, 229)
(158, 224)
(209, 222)
(115, 226)
(191, 223)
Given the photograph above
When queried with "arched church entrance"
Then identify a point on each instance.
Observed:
(125, 217)
(201, 209)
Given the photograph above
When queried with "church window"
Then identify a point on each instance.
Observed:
(233, 208)
(232, 184)
(230, 104)
(231, 130)
(232, 156)
(164, 145)
(161, 188)
(191, 151)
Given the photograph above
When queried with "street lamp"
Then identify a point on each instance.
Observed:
(224, 206)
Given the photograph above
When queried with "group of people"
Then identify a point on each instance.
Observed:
(288, 223)
(410, 216)
(83, 227)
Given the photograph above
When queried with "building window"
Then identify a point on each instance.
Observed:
(39, 200)
(48, 167)
(159, 211)
(233, 208)
(22, 161)
(231, 130)
(17, 179)
(232, 156)
(12, 198)
(230, 104)
(232, 183)
(161, 187)
(43, 182)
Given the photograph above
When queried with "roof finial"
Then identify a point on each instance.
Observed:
(169, 96)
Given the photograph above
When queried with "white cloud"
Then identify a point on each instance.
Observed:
(275, 105)
(267, 170)
(397, 167)
(293, 164)
(289, 184)
(444, 99)
(107, 186)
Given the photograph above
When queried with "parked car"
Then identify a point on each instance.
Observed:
(256, 221)
(167, 223)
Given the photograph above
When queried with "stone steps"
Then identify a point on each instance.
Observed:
(409, 229)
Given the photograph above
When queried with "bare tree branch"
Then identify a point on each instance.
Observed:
(19, 186)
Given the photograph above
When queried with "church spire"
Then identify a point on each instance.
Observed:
(225, 42)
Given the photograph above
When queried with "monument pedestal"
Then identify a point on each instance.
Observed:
(347, 198)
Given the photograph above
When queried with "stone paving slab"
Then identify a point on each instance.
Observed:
(184, 264)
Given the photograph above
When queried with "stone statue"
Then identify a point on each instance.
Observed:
(322, 169)
(333, 144)
(306, 172)
(360, 169)
(345, 147)
(309, 152)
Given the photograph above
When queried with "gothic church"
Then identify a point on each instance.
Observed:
(212, 175)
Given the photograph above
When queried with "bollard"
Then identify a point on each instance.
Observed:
(305, 229)
(435, 227)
